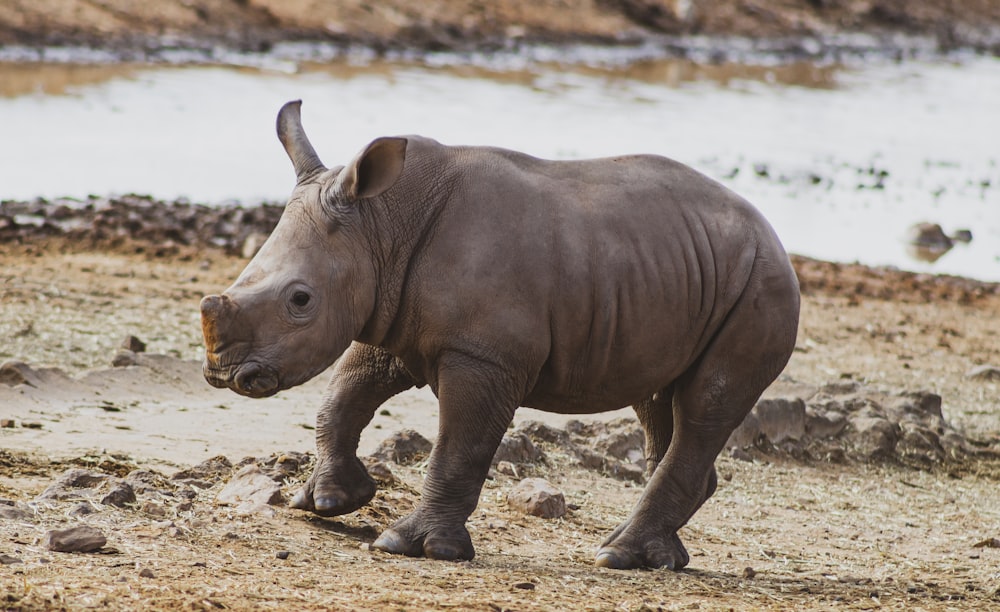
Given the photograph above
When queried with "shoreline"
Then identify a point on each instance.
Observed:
(732, 30)
(141, 225)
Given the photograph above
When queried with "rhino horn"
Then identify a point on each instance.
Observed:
(215, 310)
(296, 144)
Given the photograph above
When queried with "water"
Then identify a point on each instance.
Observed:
(842, 160)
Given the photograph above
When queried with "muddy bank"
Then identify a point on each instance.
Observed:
(141, 225)
(802, 28)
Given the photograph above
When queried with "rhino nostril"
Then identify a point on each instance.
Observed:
(246, 377)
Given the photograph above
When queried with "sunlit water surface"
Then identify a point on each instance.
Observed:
(841, 160)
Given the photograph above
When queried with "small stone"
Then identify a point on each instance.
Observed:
(507, 468)
(82, 509)
(133, 344)
(282, 554)
(537, 497)
(120, 496)
(986, 373)
(32, 425)
(15, 373)
(210, 470)
(8, 560)
(380, 471)
(250, 490)
(740, 455)
(146, 573)
(404, 447)
(8, 423)
(527, 586)
(749, 573)
(73, 484)
(781, 418)
(517, 447)
(81, 539)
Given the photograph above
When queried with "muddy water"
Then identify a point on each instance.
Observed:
(841, 159)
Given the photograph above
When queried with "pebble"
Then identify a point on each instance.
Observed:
(147, 573)
(537, 497)
(133, 344)
(405, 447)
(250, 490)
(282, 554)
(82, 539)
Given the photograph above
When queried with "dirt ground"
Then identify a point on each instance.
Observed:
(781, 533)
(784, 531)
(127, 25)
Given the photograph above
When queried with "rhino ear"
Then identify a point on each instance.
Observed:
(375, 169)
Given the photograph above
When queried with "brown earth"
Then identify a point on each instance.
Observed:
(813, 534)
(455, 24)
(784, 531)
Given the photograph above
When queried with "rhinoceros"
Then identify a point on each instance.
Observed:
(503, 280)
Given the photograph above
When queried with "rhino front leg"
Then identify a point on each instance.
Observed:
(363, 379)
(478, 401)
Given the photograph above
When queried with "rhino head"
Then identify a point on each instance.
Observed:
(311, 288)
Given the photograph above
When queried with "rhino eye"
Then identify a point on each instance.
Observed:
(300, 299)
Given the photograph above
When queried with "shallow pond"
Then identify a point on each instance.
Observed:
(841, 159)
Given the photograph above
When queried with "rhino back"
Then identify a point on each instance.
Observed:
(601, 280)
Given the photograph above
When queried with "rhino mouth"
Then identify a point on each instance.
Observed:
(249, 378)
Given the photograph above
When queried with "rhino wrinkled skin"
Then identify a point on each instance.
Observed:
(502, 280)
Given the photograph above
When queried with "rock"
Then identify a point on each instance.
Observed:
(82, 509)
(404, 447)
(620, 470)
(781, 418)
(211, 470)
(83, 539)
(250, 490)
(15, 373)
(133, 344)
(985, 373)
(146, 573)
(13, 513)
(537, 497)
(282, 554)
(380, 471)
(821, 425)
(539, 431)
(120, 496)
(507, 468)
(872, 437)
(626, 444)
(928, 235)
(747, 434)
(284, 465)
(8, 423)
(124, 358)
(9, 560)
(69, 485)
(147, 481)
(516, 447)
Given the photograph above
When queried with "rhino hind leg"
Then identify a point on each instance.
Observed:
(364, 378)
(710, 401)
(656, 415)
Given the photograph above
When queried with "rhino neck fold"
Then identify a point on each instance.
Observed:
(399, 225)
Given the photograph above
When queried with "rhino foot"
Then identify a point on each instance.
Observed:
(408, 537)
(624, 552)
(336, 489)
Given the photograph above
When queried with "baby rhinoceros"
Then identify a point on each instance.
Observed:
(502, 280)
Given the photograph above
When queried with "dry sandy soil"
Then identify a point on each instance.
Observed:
(813, 534)
(784, 531)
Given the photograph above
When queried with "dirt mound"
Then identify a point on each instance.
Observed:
(142, 30)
